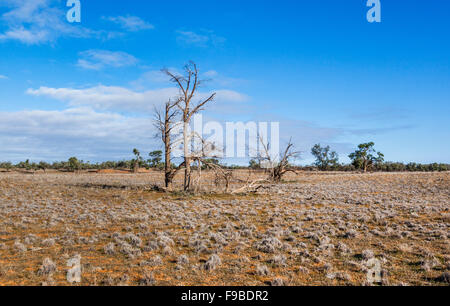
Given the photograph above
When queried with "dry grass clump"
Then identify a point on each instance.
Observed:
(213, 263)
(48, 268)
(110, 249)
(318, 229)
(147, 279)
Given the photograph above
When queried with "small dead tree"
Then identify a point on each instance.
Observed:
(188, 84)
(205, 158)
(278, 168)
(223, 177)
(165, 122)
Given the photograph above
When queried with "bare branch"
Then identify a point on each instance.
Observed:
(199, 106)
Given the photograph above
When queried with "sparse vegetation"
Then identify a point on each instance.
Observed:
(318, 229)
(126, 165)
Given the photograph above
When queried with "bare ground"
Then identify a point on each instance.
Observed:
(314, 229)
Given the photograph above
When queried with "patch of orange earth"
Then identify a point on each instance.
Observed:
(111, 171)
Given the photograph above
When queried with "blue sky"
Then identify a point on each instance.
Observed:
(318, 67)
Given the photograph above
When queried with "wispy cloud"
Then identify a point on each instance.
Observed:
(3, 77)
(219, 79)
(204, 38)
(131, 23)
(378, 131)
(35, 22)
(122, 99)
(107, 97)
(99, 59)
(151, 77)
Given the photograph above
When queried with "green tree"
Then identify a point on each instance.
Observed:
(254, 164)
(366, 156)
(43, 166)
(324, 157)
(73, 164)
(137, 161)
(7, 166)
(155, 159)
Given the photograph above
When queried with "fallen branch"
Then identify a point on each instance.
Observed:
(253, 187)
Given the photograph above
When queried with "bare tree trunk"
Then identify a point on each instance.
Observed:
(187, 158)
(167, 151)
(168, 171)
(164, 123)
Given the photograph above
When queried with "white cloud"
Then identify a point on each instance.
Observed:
(152, 77)
(98, 136)
(192, 38)
(35, 22)
(225, 95)
(81, 132)
(3, 77)
(211, 74)
(204, 39)
(120, 98)
(107, 97)
(99, 59)
(89, 128)
(131, 23)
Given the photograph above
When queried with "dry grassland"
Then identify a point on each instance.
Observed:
(314, 229)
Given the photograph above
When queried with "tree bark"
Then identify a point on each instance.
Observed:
(167, 149)
(187, 158)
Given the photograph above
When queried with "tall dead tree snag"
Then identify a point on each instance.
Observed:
(165, 123)
(188, 84)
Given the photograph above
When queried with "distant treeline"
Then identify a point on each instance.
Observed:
(68, 165)
(76, 165)
(364, 159)
(386, 167)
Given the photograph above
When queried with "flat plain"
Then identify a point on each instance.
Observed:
(312, 229)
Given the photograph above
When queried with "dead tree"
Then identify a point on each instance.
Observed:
(165, 122)
(223, 176)
(188, 85)
(278, 168)
(203, 157)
